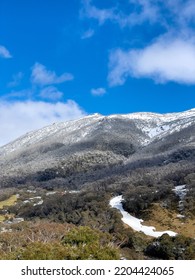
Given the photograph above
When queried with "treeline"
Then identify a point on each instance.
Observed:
(91, 166)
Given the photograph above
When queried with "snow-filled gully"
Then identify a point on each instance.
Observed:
(136, 223)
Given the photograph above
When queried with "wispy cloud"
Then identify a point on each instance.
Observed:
(51, 93)
(20, 117)
(164, 60)
(88, 34)
(16, 79)
(98, 91)
(4, 52)
(91, 11)
(173, 16)
(16, 95)
(41, 76)
(141, 11)
(167, 13)
(188, 12)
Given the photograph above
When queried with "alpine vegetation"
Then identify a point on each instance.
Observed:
(101, 187)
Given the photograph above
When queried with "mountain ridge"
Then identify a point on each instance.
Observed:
(157, 118)
(95, 142)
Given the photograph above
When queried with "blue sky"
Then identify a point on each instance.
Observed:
(61, 60)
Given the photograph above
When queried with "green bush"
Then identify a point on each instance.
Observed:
(172, 248)
(79, 243)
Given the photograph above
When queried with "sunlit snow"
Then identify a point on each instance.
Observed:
(180, 191)
(135, 223)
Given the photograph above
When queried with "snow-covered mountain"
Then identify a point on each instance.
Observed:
(151, 126)
(100, 140)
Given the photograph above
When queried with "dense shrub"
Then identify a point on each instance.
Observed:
(172, 248)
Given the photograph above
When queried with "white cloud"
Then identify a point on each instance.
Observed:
(51, 92)
(171, 54)
(4, 52)
(41, 76)
(164, 60)
(120, 66)
(98, 91)
(20, 117)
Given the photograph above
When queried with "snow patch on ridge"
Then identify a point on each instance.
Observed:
(159, 125)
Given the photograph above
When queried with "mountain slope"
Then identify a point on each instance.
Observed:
(97, 144)
(149, 125)
(68, 173)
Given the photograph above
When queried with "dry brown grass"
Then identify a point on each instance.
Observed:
(8, 202)
(2, 218)
(163, 219)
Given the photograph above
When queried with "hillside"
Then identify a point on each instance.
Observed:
(67, 173)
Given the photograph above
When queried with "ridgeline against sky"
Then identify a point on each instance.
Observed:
(61, 60)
